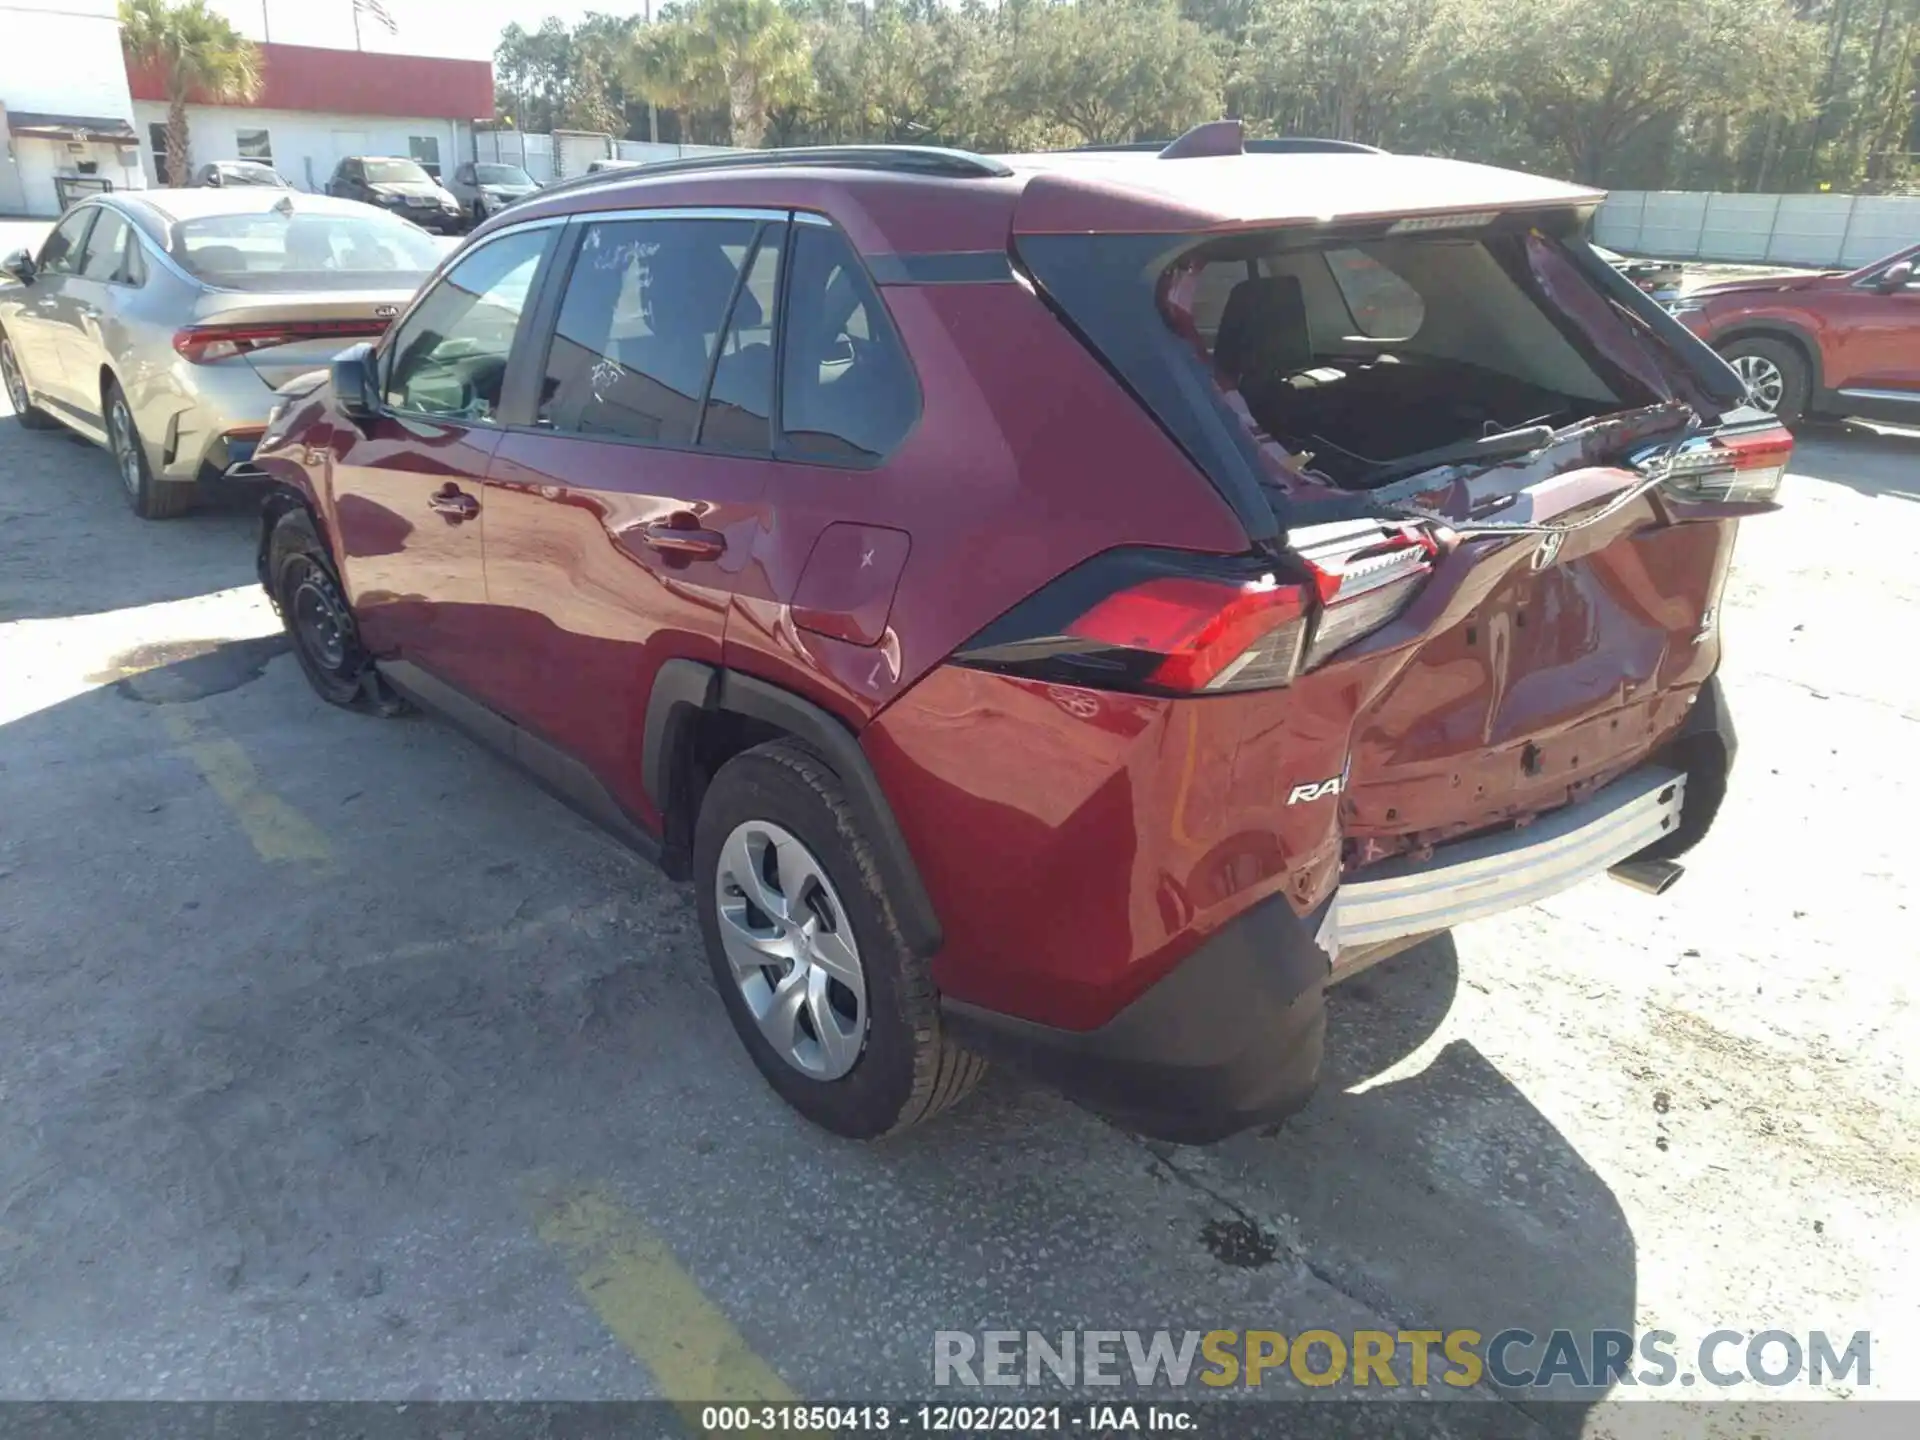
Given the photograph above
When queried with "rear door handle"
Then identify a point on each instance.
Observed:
(454, 503)
(690, 544)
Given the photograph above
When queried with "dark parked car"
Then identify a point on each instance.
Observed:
(1036, 603)
(1659, 278)
(1842, 343)
(485, 189)
(401, 186)
(218, 174)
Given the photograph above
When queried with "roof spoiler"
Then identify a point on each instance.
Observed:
(1228, 137)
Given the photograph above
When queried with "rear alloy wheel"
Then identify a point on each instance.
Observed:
(31, 416)
(837, 1011)
(150, 498)
(1774, 373)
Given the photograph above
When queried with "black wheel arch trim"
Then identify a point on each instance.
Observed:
(684, 689)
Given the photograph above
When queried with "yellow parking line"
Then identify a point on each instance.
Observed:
(279, 832)
(653, 1307)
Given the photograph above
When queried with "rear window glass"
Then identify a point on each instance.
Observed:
(1349, 357)
(396, 172)
(294, 251)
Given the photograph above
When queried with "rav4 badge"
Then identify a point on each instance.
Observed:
(1317, 790)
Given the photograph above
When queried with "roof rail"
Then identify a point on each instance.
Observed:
(1228, 137)
(897, 159)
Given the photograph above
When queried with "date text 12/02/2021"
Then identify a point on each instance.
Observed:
(944, 1419)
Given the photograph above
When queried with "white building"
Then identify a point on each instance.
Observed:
(66, 114)
(72, 117)
(316, 107)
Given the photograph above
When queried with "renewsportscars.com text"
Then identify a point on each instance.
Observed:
(1510, 1359)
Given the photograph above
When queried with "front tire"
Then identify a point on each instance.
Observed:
(1776, 375)
(838, 1013)
(150, 497)
(314, 609)
(31, 416)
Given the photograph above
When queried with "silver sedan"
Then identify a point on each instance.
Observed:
(158, 323)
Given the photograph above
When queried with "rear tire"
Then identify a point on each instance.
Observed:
(320, 623)
(1777, 375)
(150, 497)
(31, 416)
(859, 1050)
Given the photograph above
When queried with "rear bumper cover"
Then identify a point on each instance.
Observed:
(1231, 1038)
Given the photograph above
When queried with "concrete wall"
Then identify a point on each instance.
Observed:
(306, 147)
(1830, 230)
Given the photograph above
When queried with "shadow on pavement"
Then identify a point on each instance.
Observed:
(284, 1117)
(1871, 459)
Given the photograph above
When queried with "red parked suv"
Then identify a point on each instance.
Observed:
(1065, 607)
(1843, 343)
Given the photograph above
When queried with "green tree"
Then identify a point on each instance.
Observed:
(747, 57)
(1342, 69)
(1587, 78)
(198, 56)
(1104, 71)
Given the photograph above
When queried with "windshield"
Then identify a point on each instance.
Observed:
(396, 172)
(250, 175)
(293, 251)
(501, 175)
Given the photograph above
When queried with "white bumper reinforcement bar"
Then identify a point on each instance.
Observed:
(1471, 879)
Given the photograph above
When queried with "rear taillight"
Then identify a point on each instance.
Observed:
(204, 344)
(1739, 468)
(1165, 622)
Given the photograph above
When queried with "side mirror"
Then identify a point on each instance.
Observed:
(20, 266)
(1895, 277)
(216, 179)
(353, 374)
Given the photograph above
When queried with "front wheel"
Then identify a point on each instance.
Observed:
(15, 380)
(837, 1011)
(326, 641)
(1775, 373)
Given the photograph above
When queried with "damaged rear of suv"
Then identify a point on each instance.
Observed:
(1066, 607)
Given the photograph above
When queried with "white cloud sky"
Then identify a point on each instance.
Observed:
(466, 28)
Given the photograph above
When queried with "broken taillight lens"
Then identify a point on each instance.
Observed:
(1163, 622)
(1742, 468)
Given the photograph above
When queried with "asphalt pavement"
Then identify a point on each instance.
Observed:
(343, 1063)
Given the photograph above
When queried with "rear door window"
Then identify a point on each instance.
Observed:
(1383, 306)
(106, 254)
(639, 327)
(739, 414)
(848, 393)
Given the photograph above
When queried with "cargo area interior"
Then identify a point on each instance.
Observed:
(1369, 360)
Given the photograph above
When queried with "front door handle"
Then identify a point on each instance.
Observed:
(669, 539)
(454, 503)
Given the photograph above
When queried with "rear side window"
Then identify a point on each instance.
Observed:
(1383, 306)
(106, 248)
(848, 394)
(639, 326)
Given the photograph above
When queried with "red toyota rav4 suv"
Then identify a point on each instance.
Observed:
(1065, 607)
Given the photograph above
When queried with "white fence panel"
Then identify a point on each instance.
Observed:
(646, 151)
(1881, 225)
(1738, 227)
(532, 153)
(1831, 230)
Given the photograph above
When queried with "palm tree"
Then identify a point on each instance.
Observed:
(198, 54)
(746, 56)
